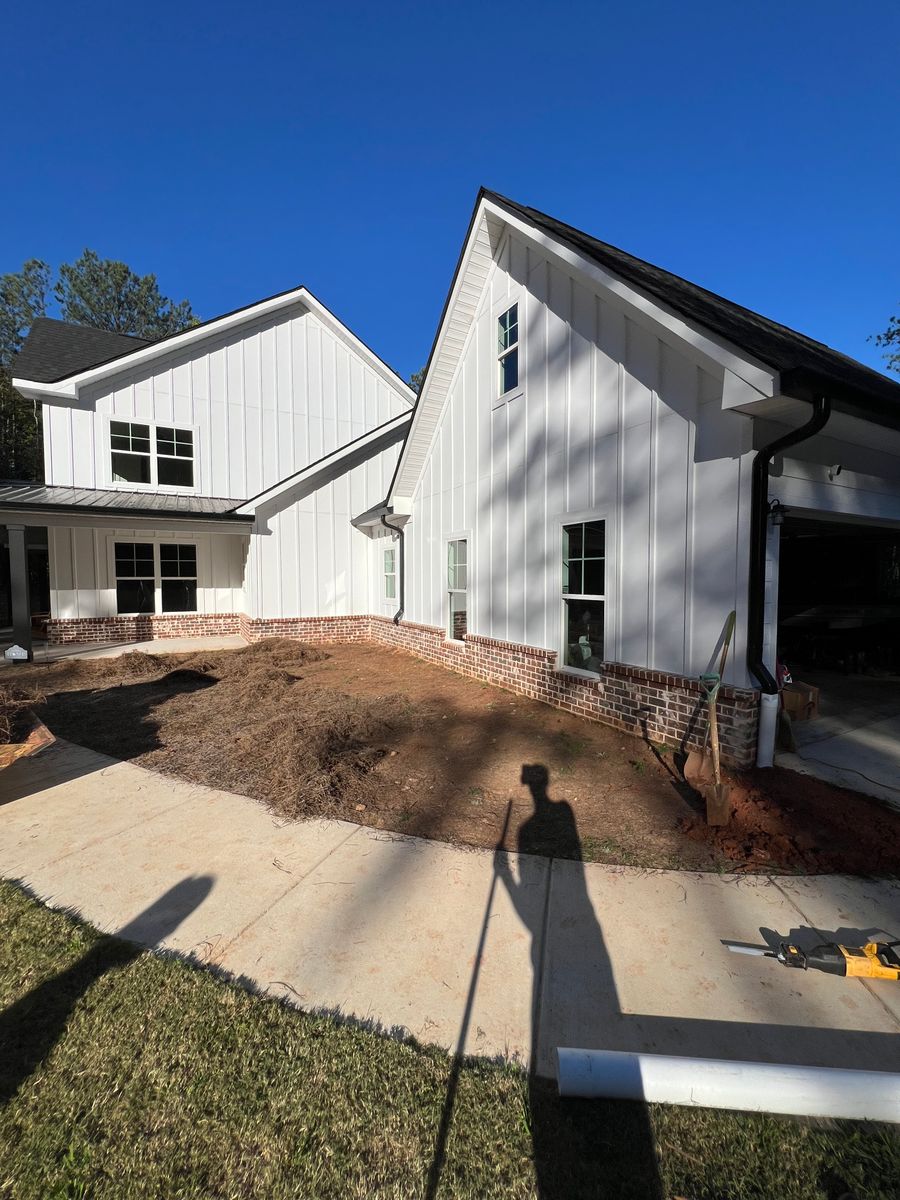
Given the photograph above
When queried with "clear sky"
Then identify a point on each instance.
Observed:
(238, 149)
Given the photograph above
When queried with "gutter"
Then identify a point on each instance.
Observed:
(759, 518)
(398, 529)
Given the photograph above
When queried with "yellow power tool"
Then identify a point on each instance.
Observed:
(874, 960)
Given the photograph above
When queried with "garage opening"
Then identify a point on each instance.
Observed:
(839, 638)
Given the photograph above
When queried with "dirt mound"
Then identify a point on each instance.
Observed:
(792, 822)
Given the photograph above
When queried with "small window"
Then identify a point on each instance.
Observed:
(178, 577)
(135, 577)
(390, 574)
(508, 349)
(457, 586)
(584, 593)
(130, 445)
(175, 457)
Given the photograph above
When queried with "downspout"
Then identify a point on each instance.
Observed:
(759, 517)
(398, 615)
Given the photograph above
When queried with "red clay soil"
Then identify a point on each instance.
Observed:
(382, 738)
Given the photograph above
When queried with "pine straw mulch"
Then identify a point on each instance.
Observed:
(242, 720)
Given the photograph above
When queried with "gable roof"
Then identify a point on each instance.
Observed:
(795, 364)
(805, 365)
(66, 386)
(54, 349)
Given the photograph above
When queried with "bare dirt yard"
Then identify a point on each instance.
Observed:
(379, 737)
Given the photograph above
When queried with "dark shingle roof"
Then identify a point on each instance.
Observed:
(55, 349)
(111, 502)
(807, 367)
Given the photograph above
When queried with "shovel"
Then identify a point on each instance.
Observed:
(701, 766)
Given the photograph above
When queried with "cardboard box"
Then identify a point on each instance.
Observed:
(800, 700)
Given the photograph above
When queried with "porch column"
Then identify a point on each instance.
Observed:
(21, 598)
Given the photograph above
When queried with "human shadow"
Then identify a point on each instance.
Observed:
(31, 1027)
(581, 1148)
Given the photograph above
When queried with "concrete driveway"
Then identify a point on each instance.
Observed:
(500, 955)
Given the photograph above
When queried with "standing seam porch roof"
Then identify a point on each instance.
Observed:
(109, 502)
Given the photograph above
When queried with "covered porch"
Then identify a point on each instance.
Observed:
(121, 567)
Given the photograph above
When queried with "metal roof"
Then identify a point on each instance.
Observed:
(111, 502)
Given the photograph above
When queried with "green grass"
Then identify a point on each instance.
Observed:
(129, 1075)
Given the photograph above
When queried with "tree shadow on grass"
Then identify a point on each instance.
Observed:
(31, 1027)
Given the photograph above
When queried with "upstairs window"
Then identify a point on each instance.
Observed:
(508, 349)
(151, 457)
(457, 586)
(584, 594)
(131, 458)
(390, 574)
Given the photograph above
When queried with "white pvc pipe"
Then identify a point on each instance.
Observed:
(768, 722)
(715, 1083)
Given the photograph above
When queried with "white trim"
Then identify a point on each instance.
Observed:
(365, 446)
(154, 540)
(448, 591)
(561, 521)
(68, 389)
(167, 489)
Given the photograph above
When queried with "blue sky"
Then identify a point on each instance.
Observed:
(238, 149)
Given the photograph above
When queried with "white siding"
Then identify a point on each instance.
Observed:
(265, 401)
(611, 423)
(82, 574)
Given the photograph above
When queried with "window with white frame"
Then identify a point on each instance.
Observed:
(151, 456)
(457, 587)
(508, 350)
(154, 577)
(390, 573)
(584, 594)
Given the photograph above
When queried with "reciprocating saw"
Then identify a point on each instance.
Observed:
(874, 960)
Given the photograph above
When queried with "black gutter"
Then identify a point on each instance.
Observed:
(398, 615)
(759, 504)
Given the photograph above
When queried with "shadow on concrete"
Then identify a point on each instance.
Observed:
(31, 1027)
(580, 1148)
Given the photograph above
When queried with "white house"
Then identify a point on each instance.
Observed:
(204, 483)
(585, 491)
(603, 462)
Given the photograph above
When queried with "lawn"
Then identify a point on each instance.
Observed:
(124, 1074)
(382, 738)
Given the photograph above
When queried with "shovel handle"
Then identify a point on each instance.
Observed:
(714, 740)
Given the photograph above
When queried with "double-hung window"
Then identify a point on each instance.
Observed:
(508, 350)
(390, 573)
(457, 587)
(155, 577)
(154, 456)
(584, 593)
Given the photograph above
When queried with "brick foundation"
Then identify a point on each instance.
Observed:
(62, 631)
(660, 706)
(663, 707)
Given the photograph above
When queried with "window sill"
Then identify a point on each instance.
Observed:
(578, 673)
(449, 641)
(153, 489)
(508, 397)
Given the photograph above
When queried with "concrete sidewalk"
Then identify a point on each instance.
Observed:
(386, 928)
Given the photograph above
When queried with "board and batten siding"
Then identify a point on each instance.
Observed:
(610, 422)
(82, 574)
(308, 560)
(265, 400)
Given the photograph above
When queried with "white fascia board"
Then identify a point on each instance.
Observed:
(655, 312)
(359, 449)
(67, 389)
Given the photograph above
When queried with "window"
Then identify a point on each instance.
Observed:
(584, 591)
(508, 349)
(161, 457)
(151, 578)
(175, 457)
(390, 574)
(130, 445)
(135, 577)
(457, 584)
(178, 577)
